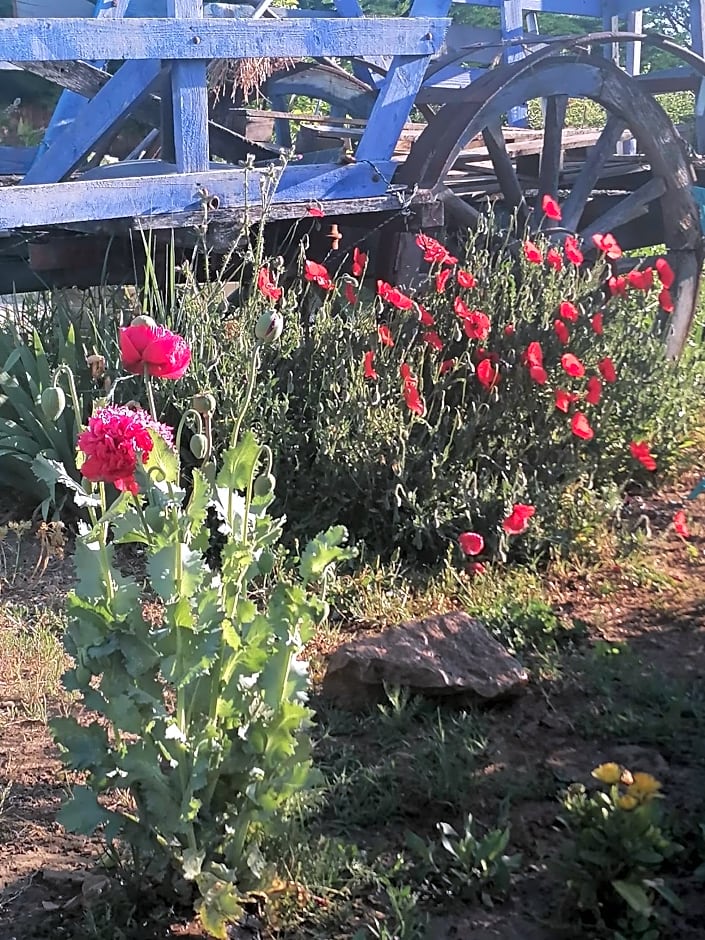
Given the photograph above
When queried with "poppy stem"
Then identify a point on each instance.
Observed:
(150, 394)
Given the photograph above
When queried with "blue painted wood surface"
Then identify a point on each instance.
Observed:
(15, 161)
(63, 203)
(59, 40)
(189, 98)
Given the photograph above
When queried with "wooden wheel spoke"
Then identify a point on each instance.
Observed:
(628, 208)
(552, 151)
(590, 173)
(504, 168)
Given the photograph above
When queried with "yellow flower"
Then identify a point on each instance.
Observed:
(644, 786)
(608, 773)
(627, 802)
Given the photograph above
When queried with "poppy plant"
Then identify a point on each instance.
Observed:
(509, 329)
(550, 207)
(680, 524)
(359, 261)
(617, 286)
(465, 279)
(434, 251)
(315, 212)
(641, 280)
(318, 274)
(572, 365)
(385, 335)
(607, 370)
(369, 367)
(476, 568)
(424, 316)
(580, 426)
(608, 245)
(471, 543)
(561, 331)
(394, 296)
(665, 300)
(433, 340)
(148, 349)
(532, 253)
(517, 521)
(572, 250)
(447, 366)
(641, 451)
(442, 280)
(594, 391)
(487, 373)
(665, 273)
(267, 286)
(350, 294)
(597, 324)
(413, 400)
(554, 259)
(533, 356)
(564, 399)
(568, 311)
(476, 325)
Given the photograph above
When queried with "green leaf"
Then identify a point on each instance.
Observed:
(669, 896)
(326, 549)
(162, 464)
(90, 569)
(82, 813)
(239, 463)
(192, 863)
(635, 896)
(54, 474)
(175, 571)
(85, 745)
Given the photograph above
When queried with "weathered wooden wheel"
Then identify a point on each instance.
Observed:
(649, 205)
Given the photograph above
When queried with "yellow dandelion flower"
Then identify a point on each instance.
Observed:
(607, 773)
(627, 802)
(644, 786)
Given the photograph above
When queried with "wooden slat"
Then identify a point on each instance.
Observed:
(189, 100)
(504, 169)
(590, 173)
(16, 160)
(552, 150)
(163, 38)
(631, 207)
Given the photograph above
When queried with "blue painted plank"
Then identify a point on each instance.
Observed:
(577, 7)
(50, 40)
(511, 25)
(88, 200)
(189, 99)
(15, 161)
(115, 99)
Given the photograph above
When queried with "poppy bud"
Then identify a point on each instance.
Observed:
(204, 404)
(53, 402)
(199, 446)
(264, 485)
(269, 327)
(144, 320)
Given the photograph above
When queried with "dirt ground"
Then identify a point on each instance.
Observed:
(48, 877)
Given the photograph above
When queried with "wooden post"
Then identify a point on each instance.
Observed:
(512, 26)
(189, 99)
(697, 38)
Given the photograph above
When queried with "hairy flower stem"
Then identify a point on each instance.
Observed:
(75, 401)
(150, 394)
(254, 364)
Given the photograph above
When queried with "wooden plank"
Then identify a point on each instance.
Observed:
(164, 38)
(63, 8)
(552, 150)
(592, 8)
(631, 207)
(503, 167)
(590, 173)
(15, 161)
(189, 99)
(98, 117)
(58, 203)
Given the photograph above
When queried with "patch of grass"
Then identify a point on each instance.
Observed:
(32, 660)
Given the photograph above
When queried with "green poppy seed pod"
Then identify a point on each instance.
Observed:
(264, 485)
(269, 327)
(53, 402)
(204, 404)
(144, 320)
(199, 446)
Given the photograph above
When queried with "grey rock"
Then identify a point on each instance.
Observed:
(446, 655)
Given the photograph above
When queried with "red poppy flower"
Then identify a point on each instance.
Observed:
(680, 524)
(433, 340)
(385, 335)
(572, 250)
(550, 207)
(608, 244)
(434, 251)
(561, 331)
(267, 286)
(359, 260)
(447, 366)
(641, 280)
(594, 390)
(460, 307)
(607, 370)
(597, 323)
(442, 280)
(518, 520)
(465, 279)
(153, 350)
(564, 399)
(641, 451)
(532, 253)
(318, 274)
(316, 212)
(425, 317)
(538, 374)
(666, 300)
(406, 374)
(509, 329)
(394, 296)
(580, 426)
(617, 286)
(413, 400)
(471, 543)
(476, 325)
(369, 368)
(572, 365)
(554, 259)
(533, 356)
(476, 568)
(350, 294)
(569, 311)
(665, 273)
(487, 373)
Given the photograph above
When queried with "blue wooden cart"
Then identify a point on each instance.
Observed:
(358, 155)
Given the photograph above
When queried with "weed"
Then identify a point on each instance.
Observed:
(31, 660)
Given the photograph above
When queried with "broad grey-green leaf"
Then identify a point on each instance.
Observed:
(326, 549)
(162, 464)
(86, 745)
(54, 473)
(82, 813)
(239, 463)
(635, 896)
(176, 571)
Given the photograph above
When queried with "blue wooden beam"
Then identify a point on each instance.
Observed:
(15, 161)
(577, 7)
(127, 198)
(98, 116)
(189, 98)
(60, 40)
